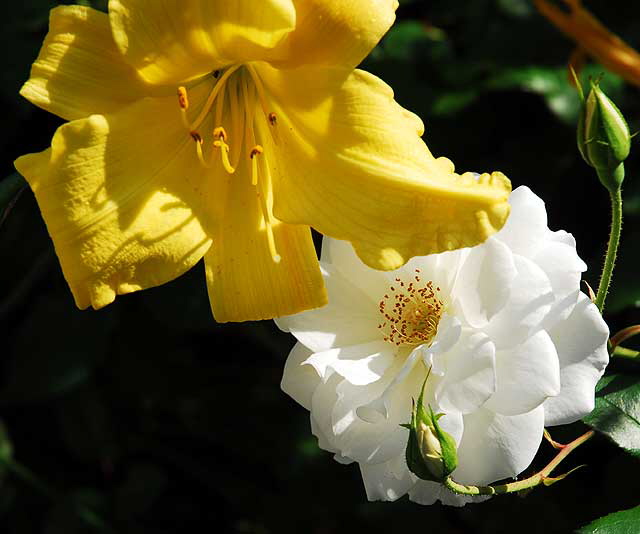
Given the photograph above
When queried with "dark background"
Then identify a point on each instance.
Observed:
(148, 417)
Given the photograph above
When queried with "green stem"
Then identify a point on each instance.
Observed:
(612, 248)
(542, 477)
(627, 354)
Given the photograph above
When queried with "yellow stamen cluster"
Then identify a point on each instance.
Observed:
(246, 95)
(411, 312)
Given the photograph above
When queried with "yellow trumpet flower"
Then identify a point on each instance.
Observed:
(594, 38)
(225, 129)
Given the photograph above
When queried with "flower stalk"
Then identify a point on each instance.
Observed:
(612, 248)
(541, 477)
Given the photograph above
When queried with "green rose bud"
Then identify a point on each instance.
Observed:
(431, 452)
(603, 137)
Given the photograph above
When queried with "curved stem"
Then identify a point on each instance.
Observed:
(541, 477)
(612, 248)
(625, 353)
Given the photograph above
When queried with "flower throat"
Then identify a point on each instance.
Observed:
(240, 89)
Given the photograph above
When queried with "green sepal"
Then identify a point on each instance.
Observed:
(603, 137)
(426, 458)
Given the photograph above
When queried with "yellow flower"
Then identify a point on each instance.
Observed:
(594, 38)
(272, 131)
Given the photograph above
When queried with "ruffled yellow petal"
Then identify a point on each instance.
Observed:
(351, 164)
(170, 41)
(120, 195)
(244, 281)
(335, 32)
(79, 70)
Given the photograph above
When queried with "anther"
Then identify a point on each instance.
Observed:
(196, 137)
(183, 99)
(255, 151)
(273, 119)
(220, 133)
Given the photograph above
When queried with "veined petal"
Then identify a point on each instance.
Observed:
(335, 32)
(245, 281)
(352, 165)
(79, 70)
(169, 41)
(121, 201)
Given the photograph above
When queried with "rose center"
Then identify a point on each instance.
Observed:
(411, 312)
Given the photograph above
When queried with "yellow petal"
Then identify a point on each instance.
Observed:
(120, 195)
(335, 32)
(352, 165)
(79, 70)
(170, 41)
(245, 283)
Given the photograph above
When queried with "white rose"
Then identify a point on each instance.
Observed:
(512, 343)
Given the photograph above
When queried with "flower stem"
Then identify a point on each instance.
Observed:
(625, 353)
(612, 248)
(541, 477)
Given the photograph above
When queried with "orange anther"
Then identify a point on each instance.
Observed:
(256, 150)
(183, 99)
(220, 133)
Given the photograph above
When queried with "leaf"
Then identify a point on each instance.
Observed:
(617, 411)
(624, 522)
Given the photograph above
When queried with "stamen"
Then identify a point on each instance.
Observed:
(412, 314)
(273, 119)
(212, 96)
(259, 87)
(249, 107)
(268, 221)
(224, 155)
(198, 139)
(255, 151)
(237, 120)
(220, 107)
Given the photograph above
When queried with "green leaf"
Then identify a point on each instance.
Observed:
(617, 411)
(624, 522)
